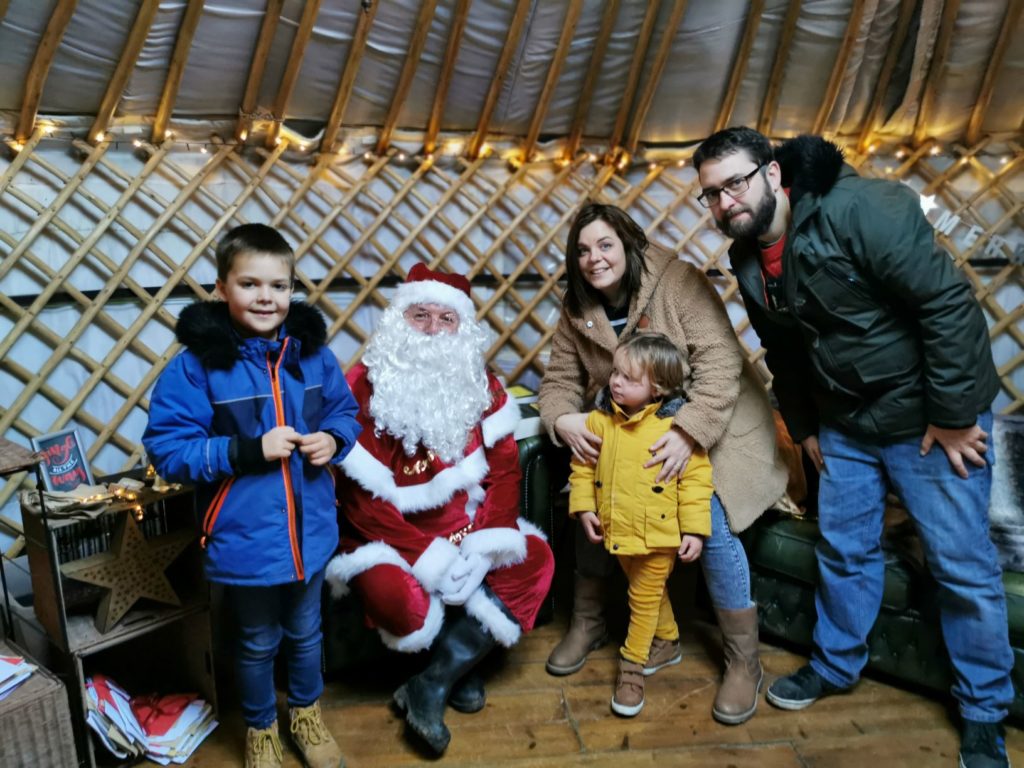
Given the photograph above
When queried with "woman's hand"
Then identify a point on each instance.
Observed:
(572, 429)
(674, 448)
(592, 527)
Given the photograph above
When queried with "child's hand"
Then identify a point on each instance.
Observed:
(592, 527)
(318, 448)
(279, 443)
(690, 548)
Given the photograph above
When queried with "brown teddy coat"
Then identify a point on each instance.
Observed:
(727, 411)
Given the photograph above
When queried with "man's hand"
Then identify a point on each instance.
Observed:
(813, 450)
(279, 443)
(318, 447)
(674, 448)
(572, 429)
(592, 527)
(469, 572)
(690, 548)
(959, 444)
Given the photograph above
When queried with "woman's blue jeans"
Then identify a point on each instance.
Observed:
(724, 562)
(265, 616)
(951, 516)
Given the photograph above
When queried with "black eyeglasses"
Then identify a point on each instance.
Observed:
(735, 188)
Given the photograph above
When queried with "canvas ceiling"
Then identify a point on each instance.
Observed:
(686, 99)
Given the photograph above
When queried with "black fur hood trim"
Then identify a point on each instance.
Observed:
(668, 409)
(809, 164)
(205, 329)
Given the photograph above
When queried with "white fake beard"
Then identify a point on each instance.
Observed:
(429, 390)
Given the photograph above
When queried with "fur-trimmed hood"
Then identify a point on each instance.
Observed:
(809, 164)
(205, 329)
(666, 410)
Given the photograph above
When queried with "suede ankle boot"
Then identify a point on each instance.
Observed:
(263, 747)
(736, 700)
(587, 630)
(310, 735)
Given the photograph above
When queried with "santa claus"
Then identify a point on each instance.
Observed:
(428, 501)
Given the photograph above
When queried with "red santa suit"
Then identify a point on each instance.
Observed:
(405, 519)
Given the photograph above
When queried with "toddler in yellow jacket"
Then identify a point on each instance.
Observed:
(645, 524)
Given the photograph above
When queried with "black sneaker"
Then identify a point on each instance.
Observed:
(801, 689)
(983, 745)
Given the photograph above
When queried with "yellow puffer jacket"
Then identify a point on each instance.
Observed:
(637, 514)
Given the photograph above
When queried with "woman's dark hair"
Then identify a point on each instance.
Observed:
(579, 295)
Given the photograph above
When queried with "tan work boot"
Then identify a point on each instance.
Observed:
(263, 747)
(318, 747)
(629, 689)
(664, 653)
(736, 700)
(587, 630)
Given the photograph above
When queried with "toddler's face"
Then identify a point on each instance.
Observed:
(631, 388)
(258, 292)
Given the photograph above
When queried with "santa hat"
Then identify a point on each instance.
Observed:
(425, 286)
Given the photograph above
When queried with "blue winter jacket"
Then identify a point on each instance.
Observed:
(264, 522)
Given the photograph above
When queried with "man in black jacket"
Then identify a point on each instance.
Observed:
(878, 352)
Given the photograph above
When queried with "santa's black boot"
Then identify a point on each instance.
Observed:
(460, 647)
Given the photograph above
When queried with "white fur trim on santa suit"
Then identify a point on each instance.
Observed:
(363, 467)
(423, 637)
(505, 630)
(502, 546)
(529, 529)
(434, 562)
(433, 292)
(343, 568)
(502, 422)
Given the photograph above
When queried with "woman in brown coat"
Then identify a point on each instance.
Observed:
(617, 284)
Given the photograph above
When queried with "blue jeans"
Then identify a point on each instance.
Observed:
(951, 516)
(265, 616)
(724, 562)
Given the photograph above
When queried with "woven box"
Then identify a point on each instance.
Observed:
(35, 723)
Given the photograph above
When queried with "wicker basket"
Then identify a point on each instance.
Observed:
(35, 724)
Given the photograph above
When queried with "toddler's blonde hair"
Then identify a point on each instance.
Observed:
(654, 354)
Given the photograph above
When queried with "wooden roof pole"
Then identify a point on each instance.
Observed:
(271, 15)
(899, 37)
(572, 16)
(515, 31)
(771, 95)
(45, 53)
(125, 65)
(4, 4)
(604, 34)
(828, 103)
(635, 68)
(451, 52)
(412, 61)
(182, 46)
(938, 63)
(739, 66)
(995, 63)
(643, 104)
(348, 76)
(291, 71)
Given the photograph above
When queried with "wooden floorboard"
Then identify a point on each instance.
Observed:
(535, 720)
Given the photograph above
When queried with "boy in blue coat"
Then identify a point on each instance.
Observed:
(251, 412)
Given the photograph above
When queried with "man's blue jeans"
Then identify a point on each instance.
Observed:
(265, 616)
(951, 516)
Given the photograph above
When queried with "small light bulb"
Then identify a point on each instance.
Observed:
(98, 136)
(203, 149)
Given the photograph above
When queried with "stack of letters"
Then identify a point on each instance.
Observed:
(14, 671)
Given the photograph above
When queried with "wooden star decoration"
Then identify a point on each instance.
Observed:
(132, 569)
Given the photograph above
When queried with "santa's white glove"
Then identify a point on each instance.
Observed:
(469, 575)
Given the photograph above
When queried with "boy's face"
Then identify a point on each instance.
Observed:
(630, 387)
(258, 292)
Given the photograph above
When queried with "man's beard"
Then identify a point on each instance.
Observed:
(759, 222)
(429, 390)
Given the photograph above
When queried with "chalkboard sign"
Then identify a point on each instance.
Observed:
(65, 466)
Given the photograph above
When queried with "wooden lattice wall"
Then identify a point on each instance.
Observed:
(116, 239)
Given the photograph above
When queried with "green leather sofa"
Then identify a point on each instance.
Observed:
(906, 642)
(347, 640)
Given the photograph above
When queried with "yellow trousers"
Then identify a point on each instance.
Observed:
(650, 612)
